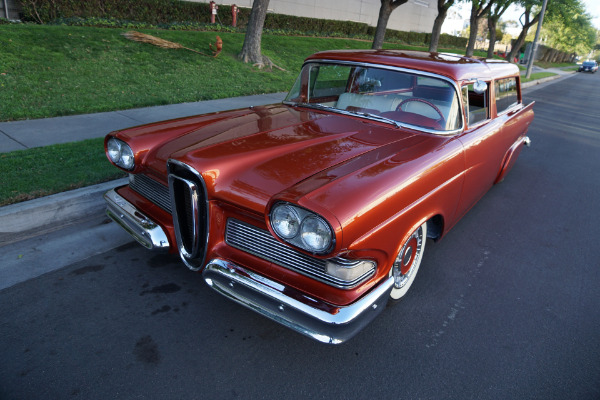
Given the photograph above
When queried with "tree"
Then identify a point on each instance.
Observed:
(494, 15)
(570, 31)
(531, 16)
(251, 48)
(478, 10)
(387, 6)
(527, 22)
(443, 6)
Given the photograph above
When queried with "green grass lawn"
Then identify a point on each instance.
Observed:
(48, 71)
(28, 174)
(537, 75)
(544, 64)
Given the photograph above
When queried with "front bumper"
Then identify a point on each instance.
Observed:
(148, 233)
(309, 316)
(284, 304)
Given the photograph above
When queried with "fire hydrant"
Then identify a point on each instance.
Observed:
(234, 12)
(213, 11)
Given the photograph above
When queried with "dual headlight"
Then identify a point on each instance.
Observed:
(301, 228)
(120, 153)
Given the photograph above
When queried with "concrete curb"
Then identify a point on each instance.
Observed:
(52, 212)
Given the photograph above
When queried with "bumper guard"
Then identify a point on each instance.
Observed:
(148, 233)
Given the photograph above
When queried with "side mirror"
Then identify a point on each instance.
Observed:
(479, 86)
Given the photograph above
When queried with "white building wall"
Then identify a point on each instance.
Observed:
(415, 15)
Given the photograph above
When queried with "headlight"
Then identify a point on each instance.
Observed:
(285, 221)
(315, 234)
(120, 153)
(301, 228)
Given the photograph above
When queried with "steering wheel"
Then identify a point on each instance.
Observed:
(441, 119)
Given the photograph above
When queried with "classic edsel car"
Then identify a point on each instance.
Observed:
(315, 212)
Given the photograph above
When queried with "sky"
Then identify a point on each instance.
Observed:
(513, 13)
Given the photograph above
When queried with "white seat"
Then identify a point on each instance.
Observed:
(382, 103)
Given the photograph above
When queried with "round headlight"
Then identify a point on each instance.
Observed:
(120, 153)
(285, 221)
(127, 158)
(315, 234)
(113, 148)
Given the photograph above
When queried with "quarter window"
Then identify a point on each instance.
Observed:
(476, 104)
(506, 94)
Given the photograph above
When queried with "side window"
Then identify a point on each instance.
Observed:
(476, 104)
(506, 94)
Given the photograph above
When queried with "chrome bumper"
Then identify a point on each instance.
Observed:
(299, 313)
(148, 233)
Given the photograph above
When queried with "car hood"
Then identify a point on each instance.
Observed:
(248, 156)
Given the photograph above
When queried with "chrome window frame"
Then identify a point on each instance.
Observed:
(513, 106)
(464, 85)
(399, 69)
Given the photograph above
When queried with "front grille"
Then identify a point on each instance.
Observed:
(185, 213)
(190, 213)
(152, 190)
(262, 244)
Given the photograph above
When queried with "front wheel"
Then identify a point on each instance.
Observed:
(407, 262)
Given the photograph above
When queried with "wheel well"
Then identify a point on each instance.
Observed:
(435, 227)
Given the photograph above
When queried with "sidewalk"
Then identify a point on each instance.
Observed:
(21, 135)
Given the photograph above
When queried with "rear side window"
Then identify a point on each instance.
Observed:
(506, 94)
(476, 104)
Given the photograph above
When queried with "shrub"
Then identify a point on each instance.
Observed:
(183, 15)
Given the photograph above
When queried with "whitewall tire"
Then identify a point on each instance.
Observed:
(407, 262)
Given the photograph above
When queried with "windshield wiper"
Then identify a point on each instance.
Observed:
(378, 118)
(319, 106)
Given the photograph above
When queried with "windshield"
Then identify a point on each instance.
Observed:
(384, 94)
(589, 63)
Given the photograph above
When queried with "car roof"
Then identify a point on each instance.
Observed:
(453, 66)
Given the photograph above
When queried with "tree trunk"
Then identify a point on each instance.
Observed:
(472, 32)
(387, 6)
(521, 39)
(492, 30)
(516, 49)
(384, 15)
(437, 28)
(251, 48)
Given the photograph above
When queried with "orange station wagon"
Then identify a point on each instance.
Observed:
(315, 212)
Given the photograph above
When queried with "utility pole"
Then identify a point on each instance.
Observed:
(535, 41)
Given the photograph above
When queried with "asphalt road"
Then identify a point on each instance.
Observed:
(507, 306)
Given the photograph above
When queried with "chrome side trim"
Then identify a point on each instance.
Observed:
(301, 313)
(148, 233)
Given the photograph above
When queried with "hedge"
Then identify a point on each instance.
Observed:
(177, 14)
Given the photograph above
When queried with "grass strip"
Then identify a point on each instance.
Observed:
(41, 171)
(536, 76)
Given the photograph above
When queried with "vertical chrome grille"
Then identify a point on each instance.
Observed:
(190, 213)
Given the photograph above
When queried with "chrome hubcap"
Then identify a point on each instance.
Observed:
(407, 258)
